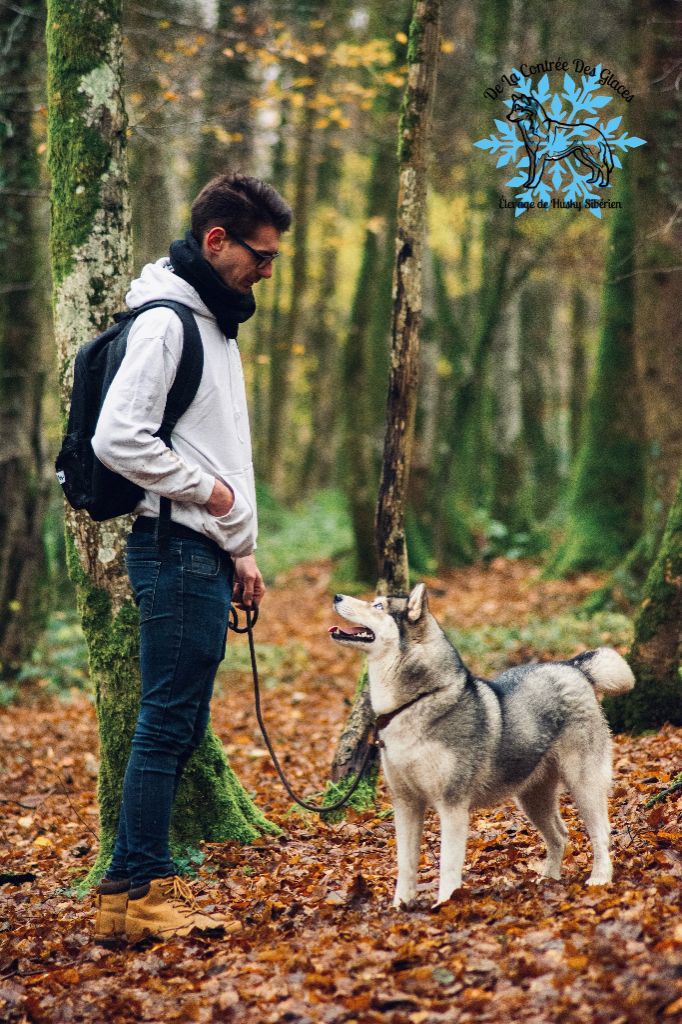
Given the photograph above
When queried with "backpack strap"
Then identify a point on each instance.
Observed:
(182, 391)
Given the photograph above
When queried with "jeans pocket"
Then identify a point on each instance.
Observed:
(143, 572)
(204, 563)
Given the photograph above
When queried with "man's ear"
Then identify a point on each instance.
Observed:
(417, 603)
(213, 239)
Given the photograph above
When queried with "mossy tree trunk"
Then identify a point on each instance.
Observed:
(90, 246)
(656, 655)
(542, 474)
(509, 456)
(23, 481)
(459, 479)
(401, 403)
(413, 134)
(657, 281)
(607, 494)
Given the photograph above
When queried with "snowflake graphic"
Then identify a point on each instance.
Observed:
(569, 179)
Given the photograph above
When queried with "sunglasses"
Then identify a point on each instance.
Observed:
(262, 258)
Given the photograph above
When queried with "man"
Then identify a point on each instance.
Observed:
(184, 586)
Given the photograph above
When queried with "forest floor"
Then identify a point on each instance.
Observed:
(319, 941)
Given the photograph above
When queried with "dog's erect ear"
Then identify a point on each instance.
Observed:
(417, 603)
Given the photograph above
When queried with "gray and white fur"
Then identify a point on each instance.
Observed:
(458, 742)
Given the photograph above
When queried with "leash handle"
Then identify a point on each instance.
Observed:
(233, 622)
(251, 619)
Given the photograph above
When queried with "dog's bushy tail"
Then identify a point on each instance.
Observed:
(608, 672)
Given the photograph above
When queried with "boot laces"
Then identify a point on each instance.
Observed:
(180, 892)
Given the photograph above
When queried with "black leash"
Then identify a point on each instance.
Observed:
(251, 620)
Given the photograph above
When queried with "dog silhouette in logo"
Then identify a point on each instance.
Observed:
(546, 139)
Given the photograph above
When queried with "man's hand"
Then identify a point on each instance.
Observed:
(221, 500)
(248, 583)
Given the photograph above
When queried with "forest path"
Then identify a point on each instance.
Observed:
(319, 941)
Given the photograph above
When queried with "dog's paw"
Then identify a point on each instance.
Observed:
(404, 905)
(601, 879)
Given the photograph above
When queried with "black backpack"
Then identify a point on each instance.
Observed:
(87, 483)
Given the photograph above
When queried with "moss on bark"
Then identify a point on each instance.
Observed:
(90, 245)
(607, 495)
(656, 655)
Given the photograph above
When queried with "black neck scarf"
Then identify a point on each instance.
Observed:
(229, 307)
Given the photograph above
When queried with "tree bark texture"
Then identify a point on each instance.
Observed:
(606, 501)
(656, 655)
(407, 295)
(657, 277)
(23, 480)
(90, 246)
(410, 225)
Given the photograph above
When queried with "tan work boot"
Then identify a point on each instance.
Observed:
(165, 907)
(112, 900)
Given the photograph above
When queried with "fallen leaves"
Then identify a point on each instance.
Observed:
(320, 942)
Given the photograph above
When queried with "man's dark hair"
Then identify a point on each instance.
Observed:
(240, 204)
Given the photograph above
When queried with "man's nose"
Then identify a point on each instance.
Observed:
(265, 271)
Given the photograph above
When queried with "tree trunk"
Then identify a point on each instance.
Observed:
(407, 297)
(606, 502)
(657, 198)
(318, 464)
(281, 368)
(459, 477)
(508, 436)
(542, 478)
(90, 245)
(656, 655)
(23, 481)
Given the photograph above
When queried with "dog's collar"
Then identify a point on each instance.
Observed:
(383, 720)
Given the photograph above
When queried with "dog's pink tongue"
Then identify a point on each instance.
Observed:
(348, 629)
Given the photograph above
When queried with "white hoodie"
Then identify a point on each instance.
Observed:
(212, 439)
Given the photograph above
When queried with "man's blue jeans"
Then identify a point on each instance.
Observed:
(183, 590)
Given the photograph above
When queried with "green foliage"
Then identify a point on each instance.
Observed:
(498, 539)
(656, 652)
(189, 861)
(318, 527)
(490, 649)
(60, 659)
(363, 799)
(605, 513)
(277, 663)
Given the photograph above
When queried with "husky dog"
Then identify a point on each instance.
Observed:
(452, 741)
(546, 139)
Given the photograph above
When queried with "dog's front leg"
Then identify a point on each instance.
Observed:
(409, 821)
(538, 168)
(531, 165)
(454, 825)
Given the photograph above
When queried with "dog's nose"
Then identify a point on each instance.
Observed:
(338, 598)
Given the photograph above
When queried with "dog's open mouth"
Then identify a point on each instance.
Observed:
(353, 633)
